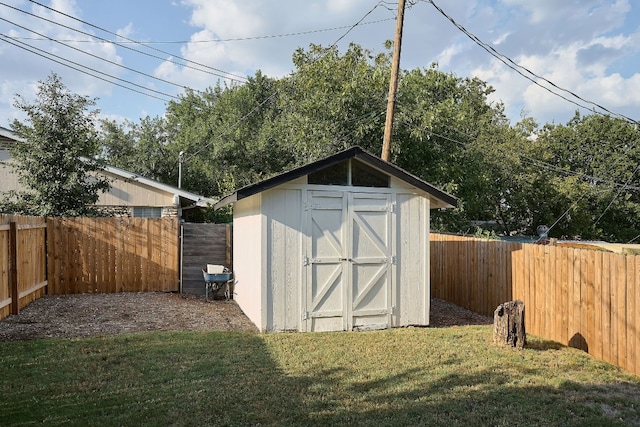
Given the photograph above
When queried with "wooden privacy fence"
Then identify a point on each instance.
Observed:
(23, 275)
(105, 255)
(583, 298)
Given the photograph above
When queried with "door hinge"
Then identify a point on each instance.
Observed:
(393, 260)
(305, 315)
(305, 262)
(392, 208)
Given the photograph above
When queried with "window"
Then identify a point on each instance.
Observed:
(337, 174)
(147, 212)
(349, 172)
(363, 175)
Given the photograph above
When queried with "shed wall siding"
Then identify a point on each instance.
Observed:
(412, 271)
(248, 258)
(270, 232)
(284, 213)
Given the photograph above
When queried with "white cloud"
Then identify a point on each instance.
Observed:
(342, 6)
(226, 18)
(127, 31)
(446, 56)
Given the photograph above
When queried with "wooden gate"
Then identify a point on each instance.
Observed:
(203, 244)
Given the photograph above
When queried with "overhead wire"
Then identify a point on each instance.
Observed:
(241, 77)
(616, 196)
(541, 163)
(226, 75)
(277, 91)
(517, 68)
(623, 187)
(26, 47)
(233, 39)
(90, 54)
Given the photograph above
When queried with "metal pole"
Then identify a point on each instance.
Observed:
(180, 161)
(393, 84)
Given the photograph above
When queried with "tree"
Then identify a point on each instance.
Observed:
(597, 159)
(56, 155)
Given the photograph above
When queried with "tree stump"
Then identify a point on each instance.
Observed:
(508, 324)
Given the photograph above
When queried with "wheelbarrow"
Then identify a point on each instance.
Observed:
(215, 278)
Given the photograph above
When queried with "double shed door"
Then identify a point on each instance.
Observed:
(348, 262)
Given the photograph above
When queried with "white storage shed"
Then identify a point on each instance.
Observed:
(338, 244)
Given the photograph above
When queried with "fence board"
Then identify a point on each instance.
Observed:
(630, 314)
(591, 323)
(113, 255)
(22, 262)
(5, 295)
(620, 313)
(596, 349)
(636, 320)
(579, 297)
(607, 353)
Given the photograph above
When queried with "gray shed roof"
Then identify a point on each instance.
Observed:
(351, 153)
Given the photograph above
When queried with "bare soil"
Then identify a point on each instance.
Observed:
(89, 315)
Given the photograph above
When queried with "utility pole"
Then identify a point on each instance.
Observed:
(180, 162)
(393, 83)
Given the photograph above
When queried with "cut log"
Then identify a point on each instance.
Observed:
(508, 324)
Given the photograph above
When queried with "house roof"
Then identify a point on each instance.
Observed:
(351, 153)
(199, 201)
(7, 137)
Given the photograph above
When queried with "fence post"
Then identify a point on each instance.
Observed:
(229, 246)
(13, 267)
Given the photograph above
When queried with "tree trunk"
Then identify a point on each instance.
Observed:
(508, 324)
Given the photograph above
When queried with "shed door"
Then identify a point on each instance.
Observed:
(370, 260)
(326, 262)
(348, 261)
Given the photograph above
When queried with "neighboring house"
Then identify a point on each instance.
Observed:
(338, 244)
(130, 194)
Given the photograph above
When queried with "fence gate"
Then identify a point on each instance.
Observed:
(202, 244)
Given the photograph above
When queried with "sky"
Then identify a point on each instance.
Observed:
(588, 48)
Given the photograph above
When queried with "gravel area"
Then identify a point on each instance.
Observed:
(88, 315)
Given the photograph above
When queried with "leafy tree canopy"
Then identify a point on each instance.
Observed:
(580, 177)
(55, 157)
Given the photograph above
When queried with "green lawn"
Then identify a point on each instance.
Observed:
(450, 376)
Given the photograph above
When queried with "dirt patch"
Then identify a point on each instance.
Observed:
(444, 314)
(88, 315)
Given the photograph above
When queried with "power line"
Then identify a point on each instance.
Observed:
(277, 91)
(263, 37)
(226, 75)
(137, 42)
(43, 53)
(595, 180)
(542, 164)
(92, 55)
(517, 67)
(31, 49)
(616, 196)
(573, 205)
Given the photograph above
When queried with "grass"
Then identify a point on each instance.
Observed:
(451, 377)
